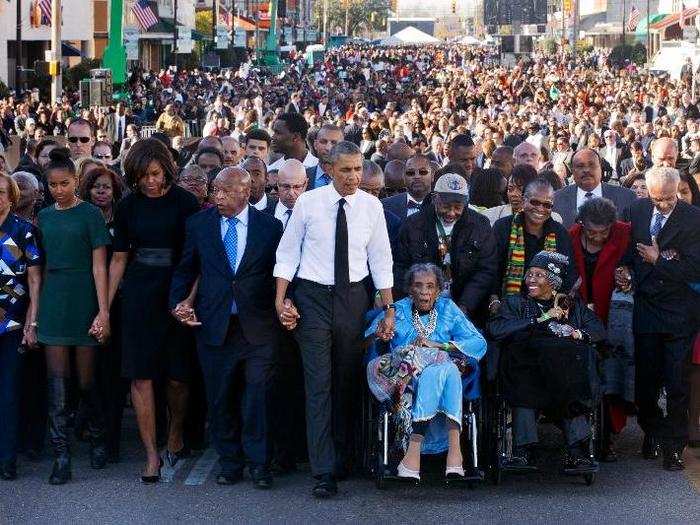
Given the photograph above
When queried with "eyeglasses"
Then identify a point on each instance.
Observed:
(106, 156)
(84, 140)
(422, 173)
(288, 187)
(541, 204)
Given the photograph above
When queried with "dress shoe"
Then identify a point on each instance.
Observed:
(261, 476)
(404, 472)
(61, 472)
(172, 458)
(521, 461)
(8, 471)
(325, 487)
(650, 448)
(229, 478)
(673, 460)
(150, 480)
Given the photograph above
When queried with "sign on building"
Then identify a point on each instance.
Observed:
(131, 43)
(222, 37)
(184, 40)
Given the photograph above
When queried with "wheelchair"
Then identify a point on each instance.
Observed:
(378, 454)
(500, 429)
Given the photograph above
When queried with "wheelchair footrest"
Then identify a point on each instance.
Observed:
(581, 471)
(471, 475)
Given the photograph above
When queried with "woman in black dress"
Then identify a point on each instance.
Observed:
(149, 230)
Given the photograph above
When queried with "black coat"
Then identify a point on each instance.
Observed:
(541, 370)
(661, 291)
(501, 231)
(472, 254)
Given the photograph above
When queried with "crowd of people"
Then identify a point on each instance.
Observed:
(226, 273)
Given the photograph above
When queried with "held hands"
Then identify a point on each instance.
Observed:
(287, 314)
(385, 330)
(29, 338)
(184, 313)
(623, 279)
(427, 343)
(555, 313)
(100, 328)
(650, 254)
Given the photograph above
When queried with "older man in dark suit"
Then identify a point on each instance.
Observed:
(588, 176)
(663, 260)
(231, 249)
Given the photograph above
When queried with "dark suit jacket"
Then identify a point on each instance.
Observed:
(271, 205)
(252, 286)
(397, 204)
(565, 202)
(291, 108)
(662, 294)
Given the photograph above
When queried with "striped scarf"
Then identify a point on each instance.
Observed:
(515, 271)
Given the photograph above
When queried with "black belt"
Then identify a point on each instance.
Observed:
(331, 287)
(154, 256)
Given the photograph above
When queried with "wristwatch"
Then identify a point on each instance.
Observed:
(387, 307)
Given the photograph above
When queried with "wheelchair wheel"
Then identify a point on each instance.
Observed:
(502, 444)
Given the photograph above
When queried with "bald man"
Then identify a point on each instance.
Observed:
(526, 153)
(231, 150)
(292, 181)
(231, 246)
(394, 178)
(664, 152)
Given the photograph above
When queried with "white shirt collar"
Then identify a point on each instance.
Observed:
(280, 209)
(242, 217)
(335, 196)
(411, 199)
(262, 203)
(597, 192)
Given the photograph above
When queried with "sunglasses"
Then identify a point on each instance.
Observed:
(541, 204)
(84, 140)
(422, 173)
(103, 156)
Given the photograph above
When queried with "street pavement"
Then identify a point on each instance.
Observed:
(630, 491)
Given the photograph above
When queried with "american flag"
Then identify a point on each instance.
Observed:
(45, 8)
(681, 21)
(634, 18)
(144, 14)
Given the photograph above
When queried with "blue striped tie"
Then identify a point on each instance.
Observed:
(231, 243)
(656, 227)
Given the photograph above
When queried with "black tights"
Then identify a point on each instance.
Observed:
(58, 364)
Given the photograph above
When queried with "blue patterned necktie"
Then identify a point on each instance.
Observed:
(231, 243)
(658, 222)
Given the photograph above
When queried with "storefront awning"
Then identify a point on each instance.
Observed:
(642, 26)
(68, 50)
(674, 18)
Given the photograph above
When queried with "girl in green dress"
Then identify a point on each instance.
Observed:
(73, 307)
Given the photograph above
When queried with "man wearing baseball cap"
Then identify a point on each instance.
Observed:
(454, 237)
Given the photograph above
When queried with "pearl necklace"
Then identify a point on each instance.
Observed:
(423, 330)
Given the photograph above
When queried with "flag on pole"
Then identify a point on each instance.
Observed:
(634, 18)
(681, 21)
(45, 9)
(144, 14)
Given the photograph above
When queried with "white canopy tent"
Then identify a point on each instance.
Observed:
(471, 41)
(410, 36)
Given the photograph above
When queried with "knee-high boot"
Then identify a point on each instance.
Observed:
(96, 426)
(58, 434)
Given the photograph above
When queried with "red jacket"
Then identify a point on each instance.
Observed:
(600, 290)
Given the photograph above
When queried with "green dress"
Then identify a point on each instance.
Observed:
(68, 302)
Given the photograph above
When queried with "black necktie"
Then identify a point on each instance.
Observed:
(119, 129)
(342, 265)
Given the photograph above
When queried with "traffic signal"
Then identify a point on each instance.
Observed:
(454, 6)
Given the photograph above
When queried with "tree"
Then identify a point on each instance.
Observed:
(366, 13)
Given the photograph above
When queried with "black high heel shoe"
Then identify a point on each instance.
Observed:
(149, 480)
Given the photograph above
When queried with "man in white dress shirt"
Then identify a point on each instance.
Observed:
(291, 182)
(289, 138)
(335, 241)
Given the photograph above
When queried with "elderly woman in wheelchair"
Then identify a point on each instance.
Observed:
(420, 380)
(548, 363)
